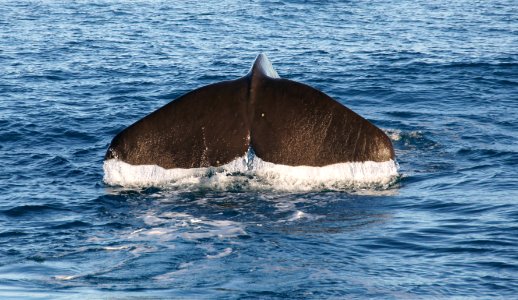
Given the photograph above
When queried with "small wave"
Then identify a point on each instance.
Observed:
(66, 277)
(75, 134)
(166, 227)
(12, 233)
(483, 154)
(27, 209)
(398, 135)
(117, 248)
(57, 161)
(300, 215)
(403, 114)
(411, 139)
(73, 224)
(224, 253)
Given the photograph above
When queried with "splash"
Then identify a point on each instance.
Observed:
(251, 172)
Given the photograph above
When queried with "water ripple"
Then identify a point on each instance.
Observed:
(439, 77)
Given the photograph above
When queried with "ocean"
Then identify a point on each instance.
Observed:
(439, 77)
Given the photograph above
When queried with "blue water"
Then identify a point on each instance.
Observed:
(440, 78)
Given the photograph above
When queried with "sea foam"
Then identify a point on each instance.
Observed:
(253, 172)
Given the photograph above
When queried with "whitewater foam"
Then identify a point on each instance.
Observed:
(255, 173)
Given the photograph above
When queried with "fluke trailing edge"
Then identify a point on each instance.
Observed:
(283, 121)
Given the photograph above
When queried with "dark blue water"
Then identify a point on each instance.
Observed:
(440, 78)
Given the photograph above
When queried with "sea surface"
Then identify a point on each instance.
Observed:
(439, 77)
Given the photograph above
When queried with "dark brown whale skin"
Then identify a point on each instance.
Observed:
(283, 121)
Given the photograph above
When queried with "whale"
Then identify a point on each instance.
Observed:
(282, 122)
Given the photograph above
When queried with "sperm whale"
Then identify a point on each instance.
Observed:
(282, 121)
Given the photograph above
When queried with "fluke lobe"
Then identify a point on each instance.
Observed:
(282, 121)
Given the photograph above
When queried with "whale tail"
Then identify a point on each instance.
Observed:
(283, 121)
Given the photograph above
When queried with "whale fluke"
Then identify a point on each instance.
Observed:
(283, 121)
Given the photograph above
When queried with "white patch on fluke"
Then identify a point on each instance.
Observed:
(257, 174)
(117, 172)
(335, 175)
